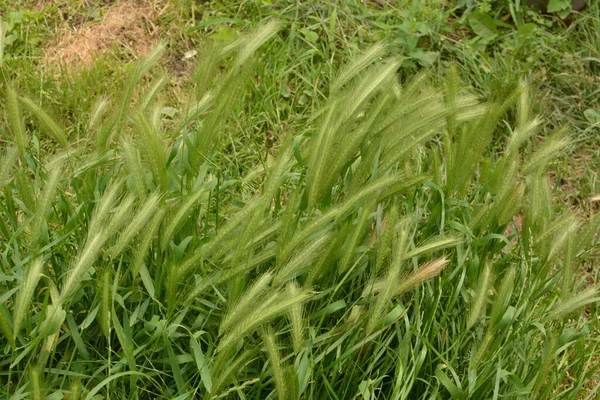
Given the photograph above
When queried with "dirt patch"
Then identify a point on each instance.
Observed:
(129, 25)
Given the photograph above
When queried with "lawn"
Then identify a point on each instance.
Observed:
(299, 200)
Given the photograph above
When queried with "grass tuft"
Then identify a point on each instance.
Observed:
(296, 219)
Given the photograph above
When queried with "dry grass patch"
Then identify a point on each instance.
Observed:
(128, 25)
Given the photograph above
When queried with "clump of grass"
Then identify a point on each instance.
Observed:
(364, 262)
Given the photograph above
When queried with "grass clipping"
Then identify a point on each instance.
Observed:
(129, 25)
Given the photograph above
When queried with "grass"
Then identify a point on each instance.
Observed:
(308, 212)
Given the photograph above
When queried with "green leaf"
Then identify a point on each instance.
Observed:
(454, 390)
(331, 308)
(304, 373)
(425, 58)
(483, 25)
(126, 342)
(309, 35)
(176, 371)
(91, 395)
(525, 32)
(201, 364)
(74, 331)
(592, 115)
(558, 5)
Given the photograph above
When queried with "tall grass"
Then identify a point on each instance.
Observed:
(387, 253)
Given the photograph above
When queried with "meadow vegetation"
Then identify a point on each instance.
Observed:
(372, 200)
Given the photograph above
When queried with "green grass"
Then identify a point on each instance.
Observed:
(309, 214)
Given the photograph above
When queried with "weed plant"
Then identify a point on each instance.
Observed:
(383, 252)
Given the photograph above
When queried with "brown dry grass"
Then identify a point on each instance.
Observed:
(129, 25)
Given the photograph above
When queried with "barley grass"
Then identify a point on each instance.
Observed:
(400, 241)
